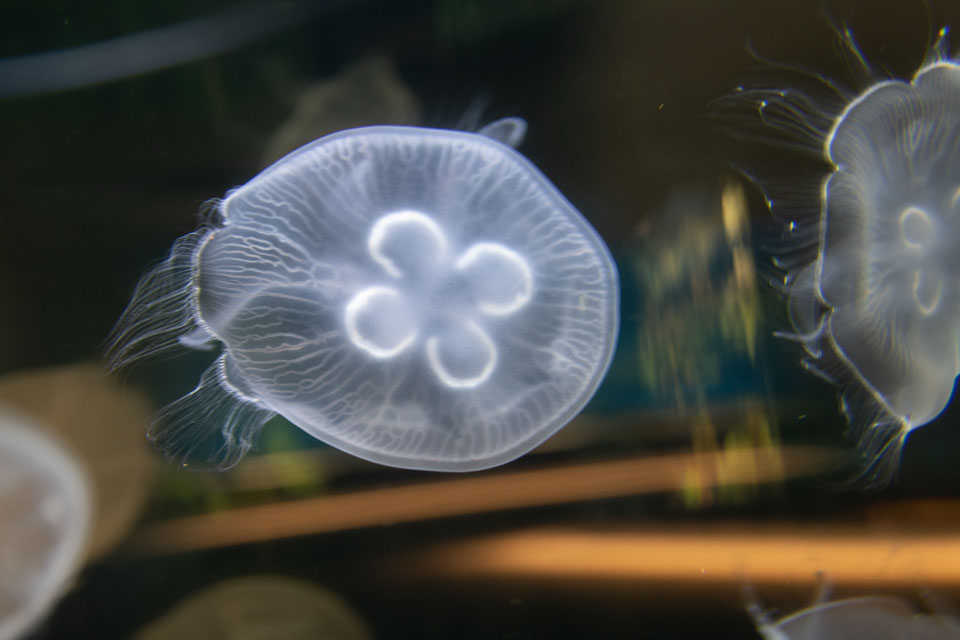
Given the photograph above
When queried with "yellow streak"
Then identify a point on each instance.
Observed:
(479, 493)
(745, 555)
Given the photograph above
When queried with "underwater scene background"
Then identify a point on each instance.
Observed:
(708, 488)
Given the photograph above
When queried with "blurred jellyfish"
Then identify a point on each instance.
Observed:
(874, 617)
(46, 506)
(368, 90)
(93, 415)
(420, 298)
(260, 607)
(870, 271)
(148, 51)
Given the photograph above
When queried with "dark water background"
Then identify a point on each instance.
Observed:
(97, 182)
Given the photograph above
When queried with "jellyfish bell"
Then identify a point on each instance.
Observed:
(890, 239)
(868, 262)
(420, 298)
(92, 416)
(46, 504)
(876, 617)
(260, 606)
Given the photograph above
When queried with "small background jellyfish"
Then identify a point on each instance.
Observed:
(878, 617)
(96, 419)
(868, 259)
(265, 606)
(420, 298)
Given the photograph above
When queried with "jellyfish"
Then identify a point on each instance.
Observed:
(260, 606)
(869, 266)
(92, 416)
(875, 617)
(420, 298)
(46, 505)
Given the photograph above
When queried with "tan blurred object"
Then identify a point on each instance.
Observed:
(251, 607)
(367, 92)
(103, 425)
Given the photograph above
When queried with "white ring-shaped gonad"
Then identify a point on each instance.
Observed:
(433, 357)
(382, 227)
(361, 303)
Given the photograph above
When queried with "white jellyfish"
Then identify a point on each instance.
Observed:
(874, 617)
(870, 267)
(420, 298)
(46, 506)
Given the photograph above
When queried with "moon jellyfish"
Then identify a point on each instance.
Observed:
(420, 298)
(871, 262)
(46, 507)
(875, 617)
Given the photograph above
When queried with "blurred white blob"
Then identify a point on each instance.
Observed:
(153, 50)
(45, 510)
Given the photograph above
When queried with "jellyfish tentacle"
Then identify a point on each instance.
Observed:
(213, 426)
(160, 315)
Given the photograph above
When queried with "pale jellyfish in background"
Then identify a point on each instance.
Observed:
(45, 512)
(93, 418)
(366, 90)
(872, 274)
(873, 617)
(420, 298)
(266, 606)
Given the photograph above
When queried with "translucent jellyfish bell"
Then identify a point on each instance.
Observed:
(421, 298)
(46, 506)
(872, 277)
(875, 617)
(888, 265)
(259, 606)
